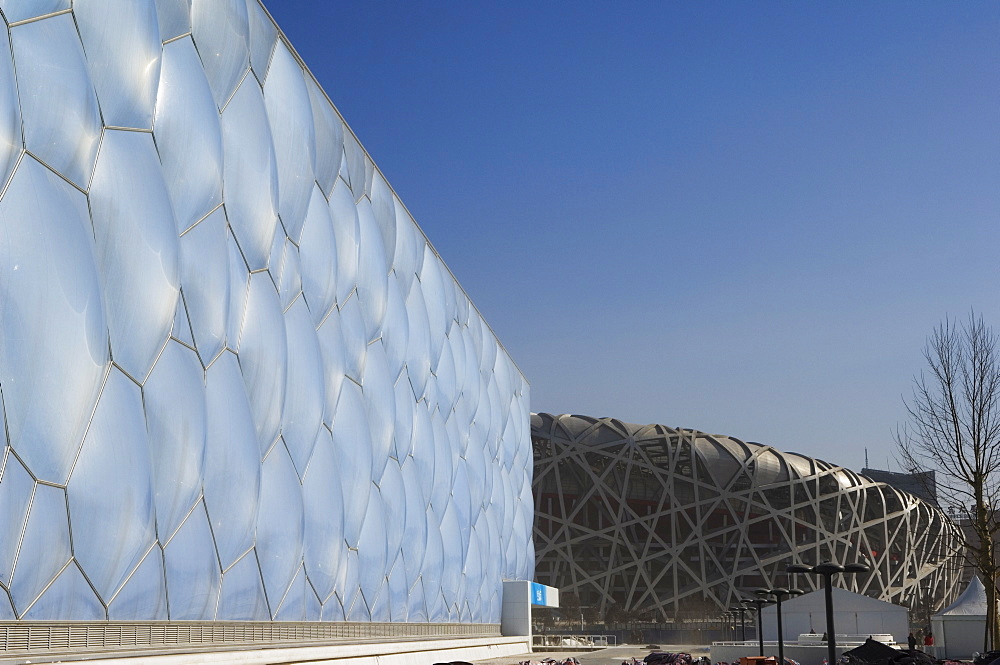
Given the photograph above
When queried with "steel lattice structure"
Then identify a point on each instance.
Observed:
(658, 521)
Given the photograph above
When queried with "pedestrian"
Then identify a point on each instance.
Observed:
(912, 641)
(929, 639)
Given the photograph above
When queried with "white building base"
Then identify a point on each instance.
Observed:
(413, 652)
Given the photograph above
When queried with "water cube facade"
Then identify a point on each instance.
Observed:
(237, 381)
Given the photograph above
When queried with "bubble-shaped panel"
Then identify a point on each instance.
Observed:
(303, 414)
(123, 56)
(318, 255)
(16, 488)
(62, 122)
(111, 490)
(250, 173)
(137, 249)
(205, 278)
(174, 399)
(279, 524)
(188, 134)
(329, 128)
(242, 597)
(10, 112)
(173, 17)
(352, 445)
(144, 594)
(263, 353)
(232, 461)
(45, 546)
(323, 501)
(290, 116)
(23, 10)
(54, 346)
(68, 594)
(221, 31)
(192, 570)
(262, 37)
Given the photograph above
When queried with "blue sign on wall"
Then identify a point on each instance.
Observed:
(545, 596)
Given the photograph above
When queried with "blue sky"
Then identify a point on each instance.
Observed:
(743, 218)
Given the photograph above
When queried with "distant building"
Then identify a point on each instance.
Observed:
(920, 484)
(660, 523)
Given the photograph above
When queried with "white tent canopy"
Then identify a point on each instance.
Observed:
(853, 614)
(959, 629)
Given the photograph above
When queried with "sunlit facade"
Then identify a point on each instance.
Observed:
(237, 381)
(661, 523)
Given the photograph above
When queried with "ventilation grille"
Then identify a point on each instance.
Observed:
(26, 636)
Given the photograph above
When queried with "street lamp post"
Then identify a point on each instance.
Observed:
(740, 610)
(778, 594)
(759, 603)
(828, 570)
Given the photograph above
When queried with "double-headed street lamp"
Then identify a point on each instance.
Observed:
(741, 610)
(828, 570)
(759, 603)
(778, 594)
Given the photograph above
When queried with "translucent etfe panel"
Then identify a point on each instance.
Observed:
(239, 287)
(418, 348)
(293, 605)
(174, 18)
(188, 134)
(232, 461)
(62, 124)
(353, 450)
(456, 544)
(193, 575)
(352, 327)
(242, 597)
(222, 33)
(323, 501)
(143, 596)
(250, 173)
(397, 593)
(394, 504)
(373, 271)
(174, 398)
(331, 343)
(263, 356)
(333, 610)
(137, 249)
(346, 227)
(380, 400)
(22, 10)
(285, 269)
(433, 567)
(423, 450)
(10, 112)
(205, 280)
(45, 548)
(111, 489)
(279, 523)
(329, 136)
(355, 158)
(318, 255)
(262, 37)
(402, 437)
(416, 611)
(54, 346)
(372, 548)
(349, 590)
(443, 464)
(304, 399)
(415, 523)
(384, 209)
(16, 488)
(290, 116)
(313, 608)
(68, 596)
(409, 247)
(396, 328)
(123, 56)
(432, 281)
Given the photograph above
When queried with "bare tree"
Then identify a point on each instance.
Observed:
(954, 430)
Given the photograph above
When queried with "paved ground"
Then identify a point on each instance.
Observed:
(609, 656)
